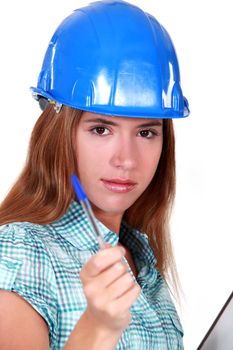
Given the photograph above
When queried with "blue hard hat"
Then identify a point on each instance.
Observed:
(110, 57)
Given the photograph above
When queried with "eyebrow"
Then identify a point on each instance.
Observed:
(108, 122)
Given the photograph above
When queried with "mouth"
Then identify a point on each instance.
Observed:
(119, 185)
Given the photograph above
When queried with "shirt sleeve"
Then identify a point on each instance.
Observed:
(26, 269)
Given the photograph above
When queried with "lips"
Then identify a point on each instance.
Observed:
(119, 185)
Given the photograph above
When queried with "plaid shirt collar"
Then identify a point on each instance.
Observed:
(74, 227)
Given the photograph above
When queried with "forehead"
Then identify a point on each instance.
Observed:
(113, 120)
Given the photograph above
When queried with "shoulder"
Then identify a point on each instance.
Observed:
(21, 230)
(22, 236)
(22, 246)
(24, 259)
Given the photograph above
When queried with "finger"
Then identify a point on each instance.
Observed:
(106, 278)
(124, 302)
(119, 287)
(101, 261)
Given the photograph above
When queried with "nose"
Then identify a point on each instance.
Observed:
(124, 154)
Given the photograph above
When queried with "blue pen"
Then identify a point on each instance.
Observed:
(82, 197)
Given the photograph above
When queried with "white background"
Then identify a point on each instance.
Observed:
(202, 218)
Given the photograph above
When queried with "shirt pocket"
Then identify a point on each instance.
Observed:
(9, 268)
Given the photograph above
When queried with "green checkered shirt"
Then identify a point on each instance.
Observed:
(42, 264)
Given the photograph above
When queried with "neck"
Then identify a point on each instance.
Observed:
(110, 220)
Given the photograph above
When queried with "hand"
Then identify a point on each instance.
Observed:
(109, 289)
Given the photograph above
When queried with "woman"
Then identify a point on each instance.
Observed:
(109, 86)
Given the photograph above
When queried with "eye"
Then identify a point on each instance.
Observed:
(148, 134)
(100, 130)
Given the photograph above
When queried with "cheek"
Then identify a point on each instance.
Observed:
(92, 149)
(151, 160)
(90, 160)
(82, 157)
(151, 169)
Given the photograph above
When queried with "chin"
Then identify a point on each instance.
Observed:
(115, 207)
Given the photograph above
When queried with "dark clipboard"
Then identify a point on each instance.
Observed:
(214, 324)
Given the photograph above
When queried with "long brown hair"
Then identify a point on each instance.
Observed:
(43, 192)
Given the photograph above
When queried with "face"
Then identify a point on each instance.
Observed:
(117, 158)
